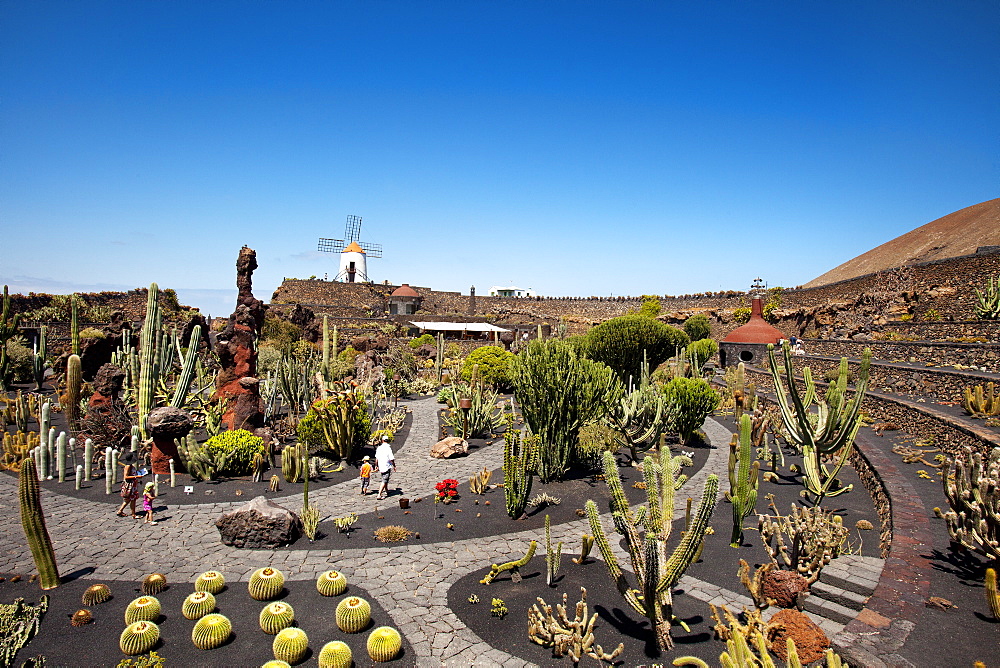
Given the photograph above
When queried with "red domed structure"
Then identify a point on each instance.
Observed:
(748, 343)
(404, 300)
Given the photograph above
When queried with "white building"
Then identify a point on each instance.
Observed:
(353, 265)
(511, 291)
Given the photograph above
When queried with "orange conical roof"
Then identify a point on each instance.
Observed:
(757, 330)
(353, 247)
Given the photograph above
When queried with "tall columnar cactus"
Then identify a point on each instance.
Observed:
(988, 302)
(183, 385)
(149, 344)
(656, 569)
(33, 522)
(743, 478)
(8, 330)
(828, 433)
(439, 357)
(74, 327)
(518, 460)
(972, 487)
(559, 391)
(553, 555)
(74, 384)
(38, 360)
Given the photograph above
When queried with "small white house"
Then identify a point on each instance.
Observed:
(511, 291)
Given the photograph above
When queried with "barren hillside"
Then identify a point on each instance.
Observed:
(959, 233)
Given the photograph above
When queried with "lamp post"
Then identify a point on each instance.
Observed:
(466, 406)
(395, 380)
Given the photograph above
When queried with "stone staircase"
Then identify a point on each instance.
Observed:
(843, 587)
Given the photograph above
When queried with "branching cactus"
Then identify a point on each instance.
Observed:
(972, 487)
(828, 432)
(641, 416)
(656, 569)
(743, 478)
(336, 415)
(518, 461)
(988, 302)
(980, 404)
(804, 541)
(553, 555)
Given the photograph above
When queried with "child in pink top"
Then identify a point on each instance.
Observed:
(148, 494)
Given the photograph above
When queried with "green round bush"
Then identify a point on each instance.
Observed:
(241, 446)
(698, 327)
(491, 365)
(620, 343)
(422, 340)
(694, 399)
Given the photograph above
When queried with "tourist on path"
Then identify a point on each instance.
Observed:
(148, 494)
(366, 474)
(386, 463)
(130, 485)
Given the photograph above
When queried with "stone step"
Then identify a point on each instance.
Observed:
(844, 597)
(830, 610)
(853, 573)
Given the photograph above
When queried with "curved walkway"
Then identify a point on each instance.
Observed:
(93, 545)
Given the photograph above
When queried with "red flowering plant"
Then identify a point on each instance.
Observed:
(447, 490)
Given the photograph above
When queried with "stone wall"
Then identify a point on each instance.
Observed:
(980, 356)
(131, 303)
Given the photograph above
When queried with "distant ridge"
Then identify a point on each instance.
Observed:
(958, 233)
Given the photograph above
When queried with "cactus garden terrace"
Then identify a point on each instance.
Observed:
(638, 500)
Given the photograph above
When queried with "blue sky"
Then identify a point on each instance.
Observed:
(579, 148)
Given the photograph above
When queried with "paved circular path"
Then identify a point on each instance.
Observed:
(89, 539)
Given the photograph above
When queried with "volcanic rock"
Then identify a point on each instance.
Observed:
(452, 446)
(164, 425)
(259, 523)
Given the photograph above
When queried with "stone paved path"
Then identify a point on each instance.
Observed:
(87, 536)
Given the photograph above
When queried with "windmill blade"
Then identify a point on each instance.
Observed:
(371, 250)
(332, 245)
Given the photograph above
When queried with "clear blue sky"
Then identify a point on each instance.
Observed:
(577, 147)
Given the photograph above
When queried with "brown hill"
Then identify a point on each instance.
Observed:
(959, 233)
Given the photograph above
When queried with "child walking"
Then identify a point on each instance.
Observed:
(366, 474)
(148, 495)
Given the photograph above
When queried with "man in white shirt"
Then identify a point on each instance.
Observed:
(386, 465)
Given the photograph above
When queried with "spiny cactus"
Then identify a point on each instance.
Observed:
(805, 540)
(154, 583)
(980, 404)
(988, 302)
(972, 487)
(198, 604)
(275, 663)
(149, 369)
(74, 383)
(642, 415)
(480, 481)
(265, 584)
(743, 479)
(95, 594)
(519, 454)
(497, 569)
(8, 330)
(384, 644)
(353, 614)
(211, 631)
(586, 543)
(290, 645)
(755, 584)
(992, 596)
(553, 555)
(331, 583)
(276, 616)
(81, 617)
(294, 460)
(568, 637)
(336, 413)
(142, 609)
(139, 637)
(211, 581)
(335, 654)
(656, 569)
(828, 433)
(33, 523)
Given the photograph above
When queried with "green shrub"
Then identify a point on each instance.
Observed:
(268, 357)
(491, 365)
(697, 327)
(280, 333)
(422, 340)
(620, 342)
(310, 431)
(21, 360)
(241, 446)
(92, 333)
(596, 438)
(704, 349)
(694, 399)
(650, 307)
(932, 315)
